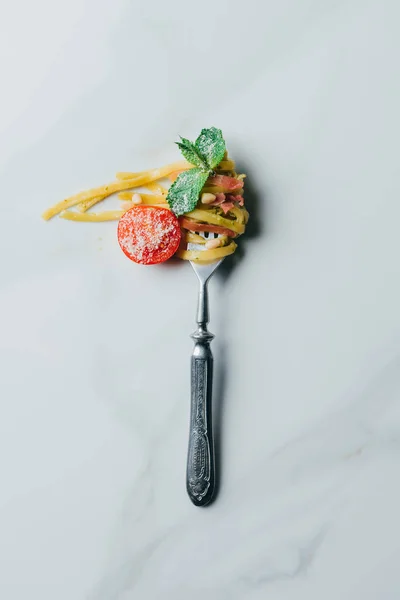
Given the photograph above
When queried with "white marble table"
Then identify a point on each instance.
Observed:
(94, 351)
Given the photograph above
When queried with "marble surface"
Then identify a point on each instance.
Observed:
(94, 385)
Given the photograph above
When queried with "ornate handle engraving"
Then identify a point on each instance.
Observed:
(200, 474)
(200, 465)
(199, 445)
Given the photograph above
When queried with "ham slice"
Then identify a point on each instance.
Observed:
(235, 198)
(194, 226)
(226, 202)
(230, 184)
(219, 199)
(226, 206)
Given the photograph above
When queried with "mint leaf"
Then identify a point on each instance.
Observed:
(183, 194)
(211, 146)
(191, 154)
(206, 153)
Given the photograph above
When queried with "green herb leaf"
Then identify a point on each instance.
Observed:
(183, 194)
(191, 153)
(211, 146)
(206, 153)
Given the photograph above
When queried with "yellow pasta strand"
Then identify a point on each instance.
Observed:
(239, 214)
(84, 206)
(152, 199)
(125, 195)
(139, 180)
(226, 165)
(146, 198)
(208, 216)
(107, 215)
(157, 188)
(193, 238)
(207, 255)
(128, 205)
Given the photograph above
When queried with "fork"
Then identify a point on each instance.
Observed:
(200, 473)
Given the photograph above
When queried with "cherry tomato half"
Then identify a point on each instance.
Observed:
(149, 235)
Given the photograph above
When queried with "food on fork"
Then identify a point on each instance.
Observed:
(205, 197)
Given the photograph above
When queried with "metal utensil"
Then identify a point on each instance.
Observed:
(200, 474)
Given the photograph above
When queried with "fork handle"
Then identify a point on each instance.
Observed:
(200, 474)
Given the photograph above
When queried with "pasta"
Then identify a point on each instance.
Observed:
(207, 255)
(137, 180)
(208, 230)
(107, 215)
(212, 217)
(157, 188)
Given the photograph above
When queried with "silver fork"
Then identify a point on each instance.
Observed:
(200, 473)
